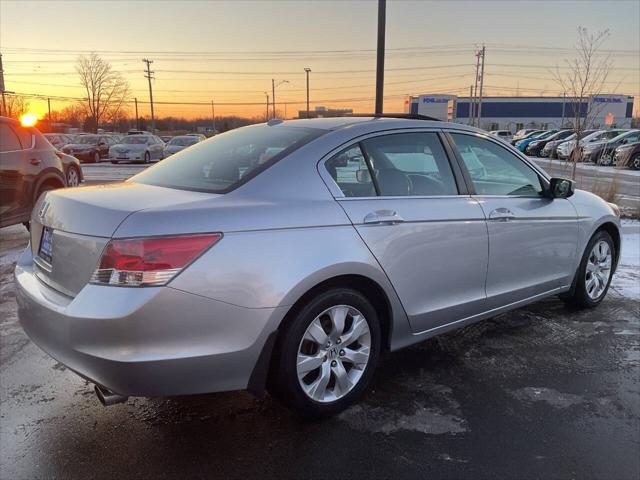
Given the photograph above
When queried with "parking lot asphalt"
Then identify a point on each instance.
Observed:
(541, 392)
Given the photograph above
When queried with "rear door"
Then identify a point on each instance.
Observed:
(12, 174)
(410, 207)
(532, 239)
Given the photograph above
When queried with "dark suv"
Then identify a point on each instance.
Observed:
(29, 166)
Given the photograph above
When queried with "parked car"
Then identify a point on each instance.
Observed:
(628, 155)
(504, 135)
(530, 133)
(180, 143)
(201, 136)
(166, 138)
(137, 148)
(524, 133)
(535, 147)
(257, 259)
(565, 150)
(58, 140)
(523, 144)
(602, 152)
(550, 150)
(29, 166)
(89, 148)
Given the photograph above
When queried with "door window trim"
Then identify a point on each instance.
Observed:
(544, 177)
(338, 194)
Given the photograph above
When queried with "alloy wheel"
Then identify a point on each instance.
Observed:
(333, 353)
(598, 269)
(72, 178)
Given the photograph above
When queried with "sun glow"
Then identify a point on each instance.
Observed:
(28, 120)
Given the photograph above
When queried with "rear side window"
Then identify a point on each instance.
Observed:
(226, 161)
(8, 139)
(410, 164)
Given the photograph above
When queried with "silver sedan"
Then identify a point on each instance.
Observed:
(288, 255)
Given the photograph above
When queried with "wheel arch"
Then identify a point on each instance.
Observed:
(613, 230)
(53, 178)
(368, 287)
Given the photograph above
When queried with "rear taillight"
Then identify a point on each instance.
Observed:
(138, 262)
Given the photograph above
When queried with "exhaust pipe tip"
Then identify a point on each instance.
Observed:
(107, 397)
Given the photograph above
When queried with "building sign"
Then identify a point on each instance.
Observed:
(434, 100)
(607, 100)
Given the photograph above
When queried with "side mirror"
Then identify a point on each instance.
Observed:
(363, 175)
(561, 188)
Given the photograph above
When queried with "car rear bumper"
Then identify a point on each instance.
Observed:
(144, 341)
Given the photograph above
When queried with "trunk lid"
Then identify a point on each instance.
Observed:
(81, 221)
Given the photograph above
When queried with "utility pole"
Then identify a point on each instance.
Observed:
(273, 98)
(382, 17)
(308, 70)
(267, 114)
(149, 76)
(481, 83)
(213, 117)
(4, 101)
(135, 100)
(475, 88)
(563, 101)
(49, 114)
(470, 102)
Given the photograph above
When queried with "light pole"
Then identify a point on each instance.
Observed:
(273, 94)
(308, 70)
(382, 16)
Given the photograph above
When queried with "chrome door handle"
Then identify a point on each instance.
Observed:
(35, 161)
(383, 216)
(501, 215)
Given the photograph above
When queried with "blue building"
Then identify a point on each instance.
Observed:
(514, 113)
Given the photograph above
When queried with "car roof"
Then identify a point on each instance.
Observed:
(371, 123)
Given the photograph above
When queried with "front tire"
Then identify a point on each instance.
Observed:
(73, 176)
(634, 163)
(326, 355)
(147, 157)
(594, 273)
(96, 157)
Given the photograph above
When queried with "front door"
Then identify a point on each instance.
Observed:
(532, 239)
(402, 197)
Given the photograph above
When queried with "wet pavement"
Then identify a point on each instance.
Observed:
(541, 392)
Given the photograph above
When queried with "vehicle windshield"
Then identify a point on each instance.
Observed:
(226, 161)
(135, 140)
(88, 139)
(183, 141)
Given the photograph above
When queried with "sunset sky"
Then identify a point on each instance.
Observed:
(229, 51)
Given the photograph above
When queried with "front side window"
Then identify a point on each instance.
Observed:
(407, 164)
(227, 160)
(494, 170)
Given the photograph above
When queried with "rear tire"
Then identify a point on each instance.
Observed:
(634, 162)
(328, 334)
(593, 277)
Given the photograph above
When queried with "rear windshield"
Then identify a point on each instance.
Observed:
(224, 162)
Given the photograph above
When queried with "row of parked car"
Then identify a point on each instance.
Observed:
(613, 146)
(137, 146)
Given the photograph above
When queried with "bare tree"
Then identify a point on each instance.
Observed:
(583, 81)
(106, 90)
(16, 106)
